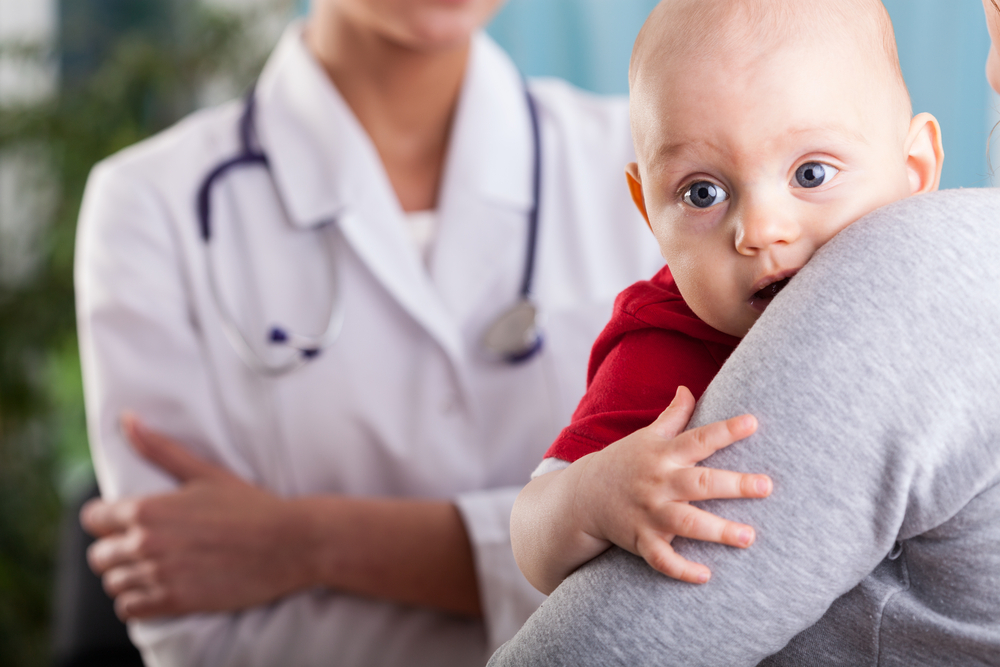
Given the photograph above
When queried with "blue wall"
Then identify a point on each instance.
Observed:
(942, 46)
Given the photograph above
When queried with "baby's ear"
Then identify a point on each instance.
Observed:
(635, 187)
(924, 154)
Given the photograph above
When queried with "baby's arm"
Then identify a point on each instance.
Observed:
(634, 494)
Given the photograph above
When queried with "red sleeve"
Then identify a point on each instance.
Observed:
(633, 384)
(652, 345)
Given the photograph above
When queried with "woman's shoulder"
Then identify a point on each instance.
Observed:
(945, 219)
(148, 187)
(560, 96)
(201, 138)
(602, 121)
(962, 204)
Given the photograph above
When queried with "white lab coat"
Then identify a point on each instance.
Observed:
(405, 404)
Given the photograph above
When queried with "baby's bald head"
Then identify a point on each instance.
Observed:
(683, 35)
(762, 128)
(698, 29)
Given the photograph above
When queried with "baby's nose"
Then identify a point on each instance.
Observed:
(761, 228)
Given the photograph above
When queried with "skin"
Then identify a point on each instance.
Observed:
(745, 123)
(399, 65)
(993, 60)
(222, 544)
(747, 130)
(627, 494)
(218, 543)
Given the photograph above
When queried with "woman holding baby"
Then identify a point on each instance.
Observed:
(872, 378)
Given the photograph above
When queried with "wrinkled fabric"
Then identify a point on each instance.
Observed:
(875, 376)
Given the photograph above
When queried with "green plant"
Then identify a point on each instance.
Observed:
(147, 80)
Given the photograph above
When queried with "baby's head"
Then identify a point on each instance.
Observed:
(762, 128)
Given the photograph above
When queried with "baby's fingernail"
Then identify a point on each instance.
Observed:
(745, 536)
(704, 577)
(763, 486)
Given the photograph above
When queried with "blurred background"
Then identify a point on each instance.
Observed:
(80, 79)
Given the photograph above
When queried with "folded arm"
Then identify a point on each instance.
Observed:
(142, 352)
(221, 544)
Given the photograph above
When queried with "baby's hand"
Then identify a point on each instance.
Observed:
(635, 492)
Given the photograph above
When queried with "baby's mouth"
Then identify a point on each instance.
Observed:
(762, 297)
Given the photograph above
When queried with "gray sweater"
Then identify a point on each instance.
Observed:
(876, 380)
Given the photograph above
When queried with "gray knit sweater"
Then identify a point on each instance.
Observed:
(876, 380)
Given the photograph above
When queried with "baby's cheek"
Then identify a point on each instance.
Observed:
(891, 189)
(681, 236)
(702, 224)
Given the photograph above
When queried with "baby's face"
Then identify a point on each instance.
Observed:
(746, 170)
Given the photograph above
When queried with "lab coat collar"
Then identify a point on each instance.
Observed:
(324, 162)
(327, 169)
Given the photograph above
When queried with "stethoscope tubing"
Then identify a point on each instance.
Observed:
(536, 196)
(521, 346)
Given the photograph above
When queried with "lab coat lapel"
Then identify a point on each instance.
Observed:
(327, 169)
(375, 232)
(486, 191)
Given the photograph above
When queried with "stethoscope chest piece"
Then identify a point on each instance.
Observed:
(514, 336)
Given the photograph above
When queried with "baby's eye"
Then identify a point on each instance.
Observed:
(705, 195)
(814, 174)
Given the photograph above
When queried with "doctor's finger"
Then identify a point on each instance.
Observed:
(710, 483)
(144, 603)
(700, 443)
(130, 576)
(100, 518)
(129, 547)
(168, 454)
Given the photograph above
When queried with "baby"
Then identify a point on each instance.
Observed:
(762, 128)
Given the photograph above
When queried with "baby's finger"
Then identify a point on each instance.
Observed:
(683, 520)
(700, 443)
(662, 558)
(674, 419)
(710, 484)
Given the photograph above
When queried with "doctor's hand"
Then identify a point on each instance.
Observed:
(218, 543)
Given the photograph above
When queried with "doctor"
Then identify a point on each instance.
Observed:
(316, 322)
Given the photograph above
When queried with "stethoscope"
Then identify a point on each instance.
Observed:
(513, 337)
